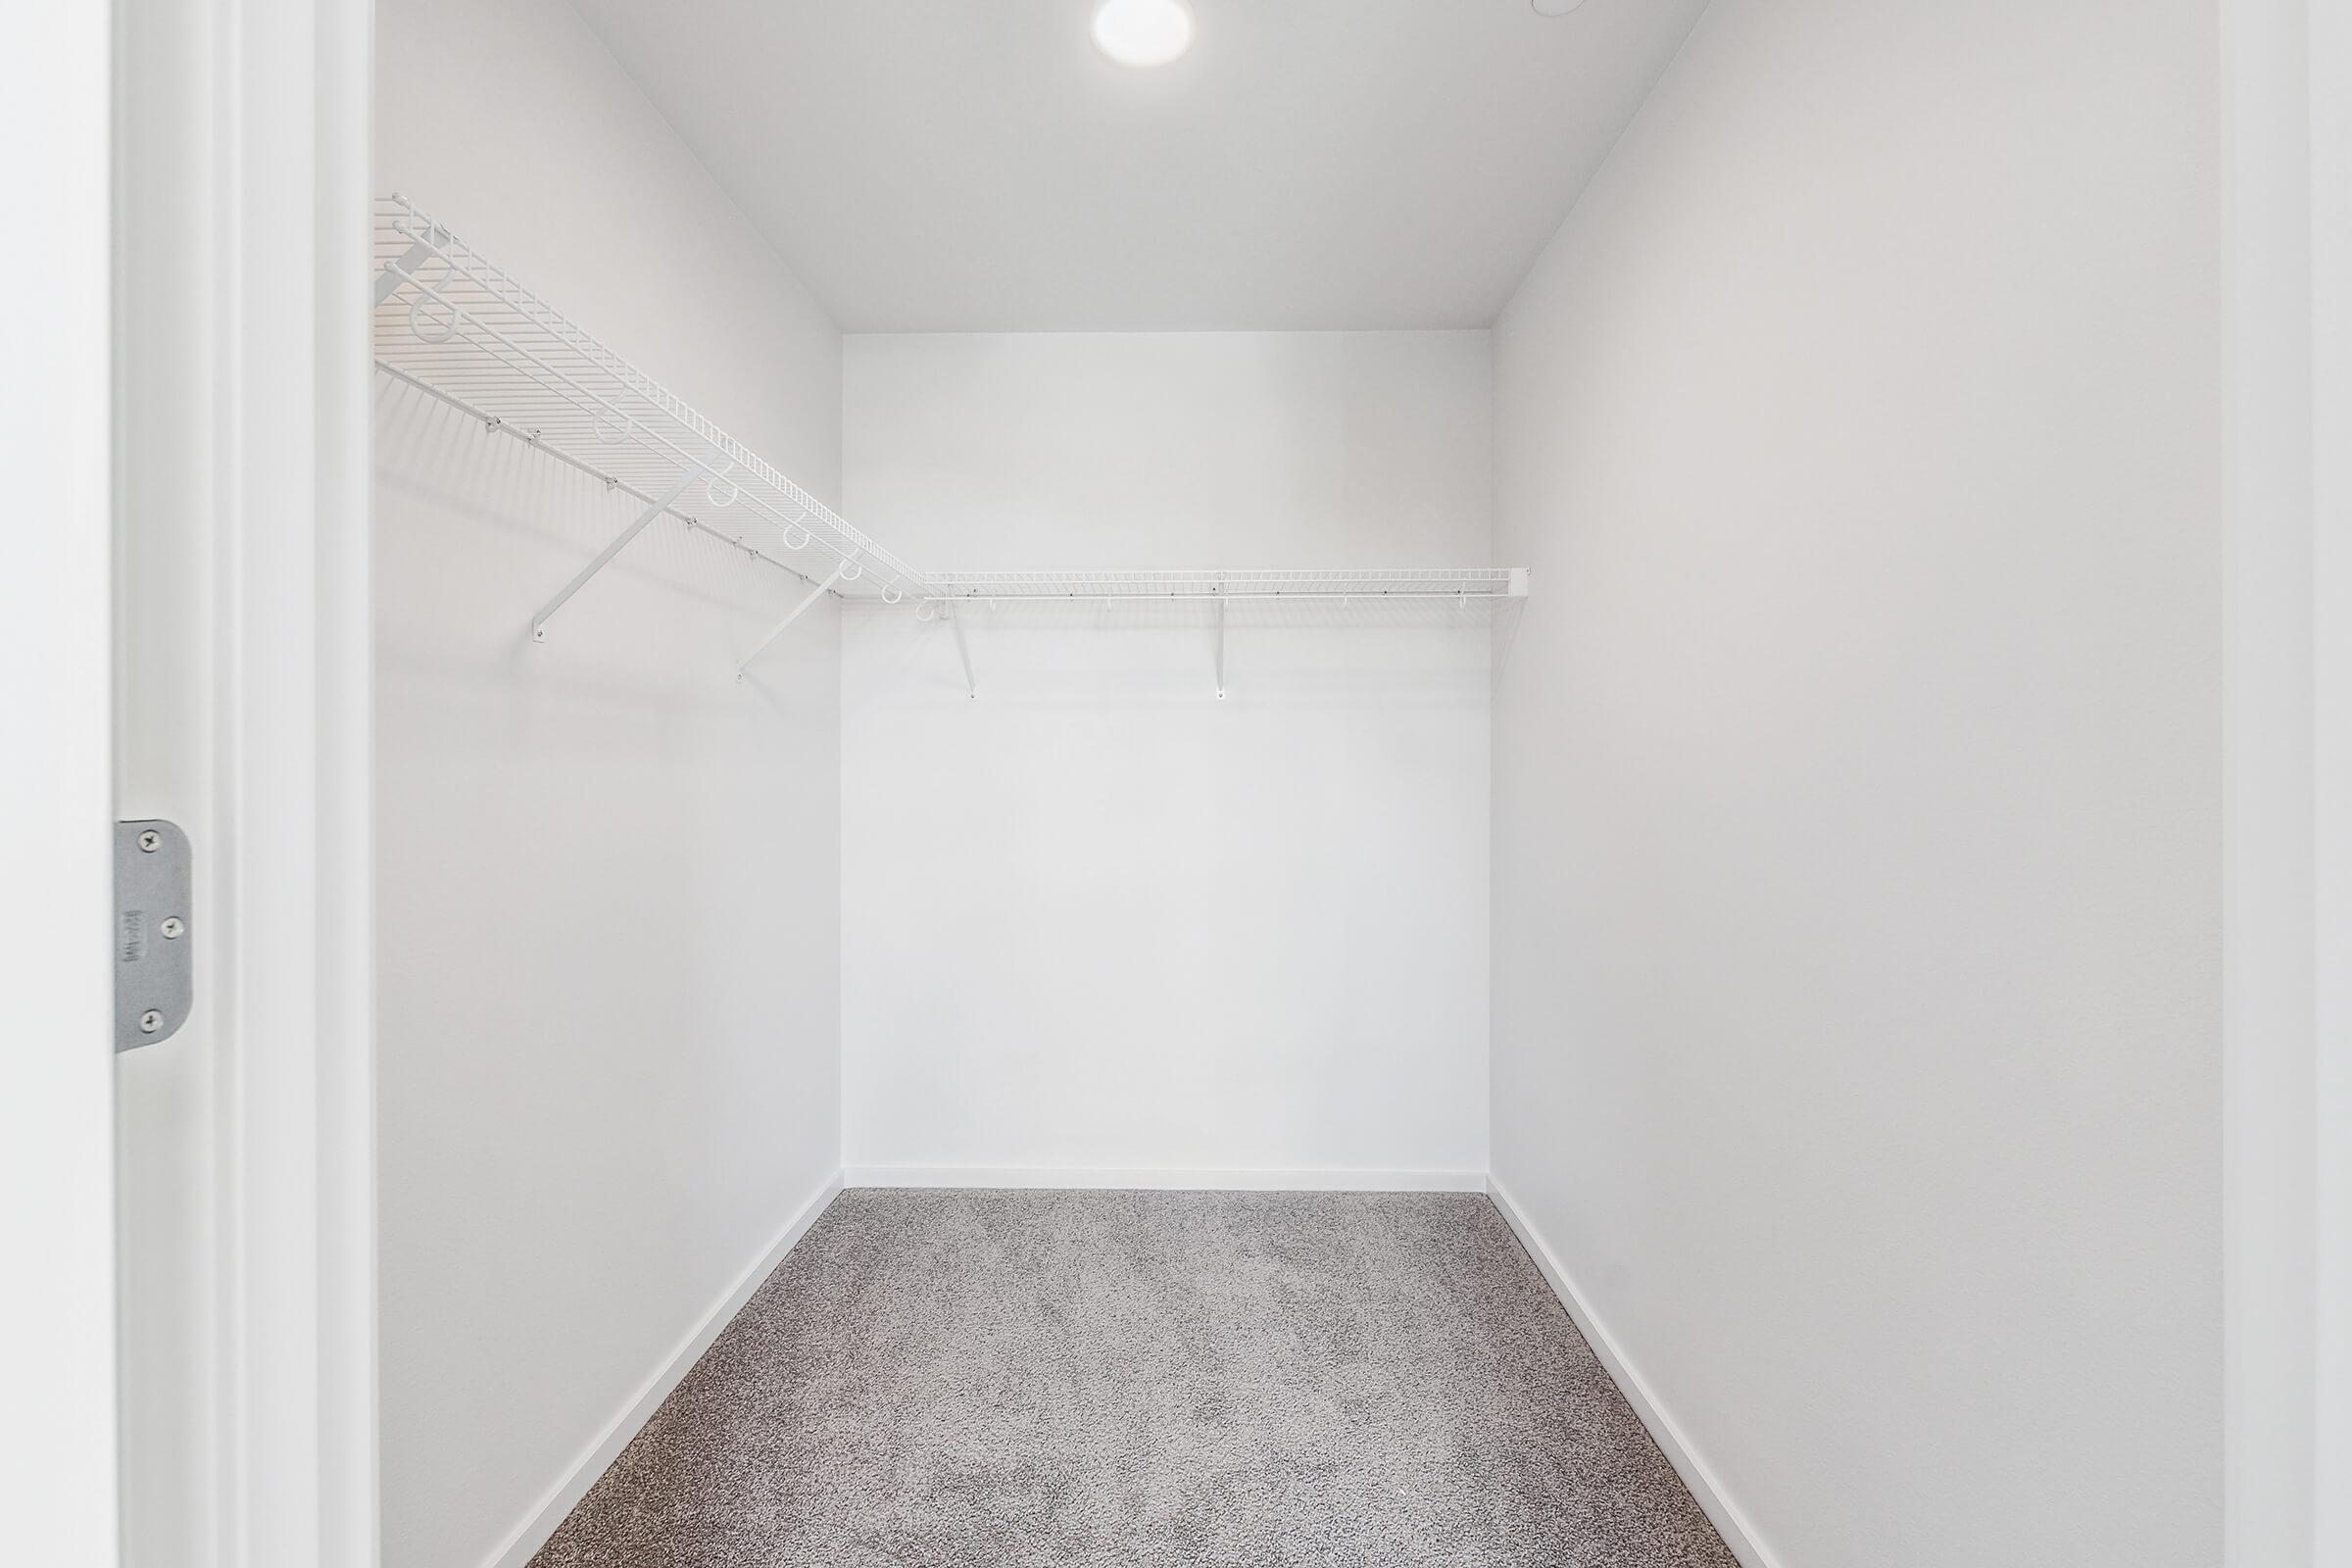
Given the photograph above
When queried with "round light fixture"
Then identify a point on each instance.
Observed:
(1142, 32)
(1556, 8)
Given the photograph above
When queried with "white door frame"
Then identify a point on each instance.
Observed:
(57, 1224)
(2286, 68)
(244, 705)
(2331, 188)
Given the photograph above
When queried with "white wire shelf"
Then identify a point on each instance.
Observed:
(453, 325)
(450, 322)
(1450, 583)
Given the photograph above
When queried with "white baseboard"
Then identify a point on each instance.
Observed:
(1196, 1180)
(565, 1494)
(1728, 1522)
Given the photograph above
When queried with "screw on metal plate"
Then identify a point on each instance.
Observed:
(153, 980)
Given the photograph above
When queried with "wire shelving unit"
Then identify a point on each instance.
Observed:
(1451, 583)
(452, 324)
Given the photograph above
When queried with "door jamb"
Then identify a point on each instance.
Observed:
(2286, 238)
(277, 406)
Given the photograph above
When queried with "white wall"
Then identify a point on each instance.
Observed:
(1097, 920)
(608, 873)
(1856, 833)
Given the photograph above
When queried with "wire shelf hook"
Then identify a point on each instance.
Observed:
(457, 318)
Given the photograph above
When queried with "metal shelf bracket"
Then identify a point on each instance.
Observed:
(797, 611)
(1221, 648)
(971, 687)
(667, 498)
(402, 269)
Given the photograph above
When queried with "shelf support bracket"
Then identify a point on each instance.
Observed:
(1221, 648)
(814, 594)
(395, 273)
(971, 687)
(677, 488)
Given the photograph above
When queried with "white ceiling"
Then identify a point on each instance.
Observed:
(975, 166)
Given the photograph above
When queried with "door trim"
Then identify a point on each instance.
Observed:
(242, 181)
(2286, 1083)
(295, 723)
(57, 1466)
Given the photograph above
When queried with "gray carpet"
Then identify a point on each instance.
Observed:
(1126, 1380)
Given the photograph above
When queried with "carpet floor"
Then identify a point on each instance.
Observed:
(1131, 1380)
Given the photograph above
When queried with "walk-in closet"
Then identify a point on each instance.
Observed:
(1214, 783)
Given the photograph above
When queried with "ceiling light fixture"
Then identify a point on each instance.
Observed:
(1142, 32)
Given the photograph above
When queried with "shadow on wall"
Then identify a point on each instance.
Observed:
(510, 524)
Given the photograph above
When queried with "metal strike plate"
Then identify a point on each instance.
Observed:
(153, 972)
